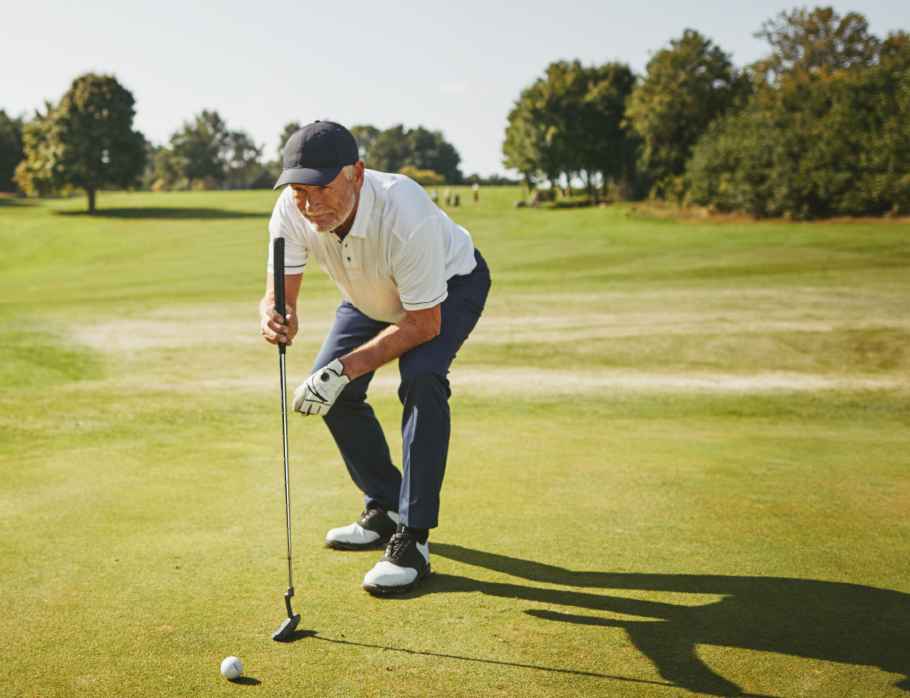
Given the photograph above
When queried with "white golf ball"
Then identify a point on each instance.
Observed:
(231, 668)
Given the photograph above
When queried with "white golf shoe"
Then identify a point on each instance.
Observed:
(402, 567)
(374, 530)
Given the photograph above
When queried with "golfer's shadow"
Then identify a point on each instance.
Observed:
(828, 621)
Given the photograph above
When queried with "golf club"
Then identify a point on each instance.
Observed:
(290, 624)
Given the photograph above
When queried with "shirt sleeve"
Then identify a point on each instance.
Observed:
(419, 267)
(282, 225)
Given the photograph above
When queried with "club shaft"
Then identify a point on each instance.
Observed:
(287, 487)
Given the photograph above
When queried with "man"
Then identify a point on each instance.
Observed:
(414, 288)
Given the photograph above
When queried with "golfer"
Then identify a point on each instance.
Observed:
(414, 287)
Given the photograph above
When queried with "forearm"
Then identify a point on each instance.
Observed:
(391, 343)
(292, 289)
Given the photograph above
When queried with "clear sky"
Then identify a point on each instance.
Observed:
(454, 67)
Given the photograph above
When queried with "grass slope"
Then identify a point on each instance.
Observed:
(678, 463)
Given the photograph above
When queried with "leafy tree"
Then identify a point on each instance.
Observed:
(821, 143)
(396, 148)
(365, 136)
(571, 122)
(524, 143)
(148, 172)
(687, 86)
(533, 145)
(810, 42)
(198, 152)
(389, 151)
(11, 150)
(604, 145)
(85, 141)
(431, 151)
(242, 160)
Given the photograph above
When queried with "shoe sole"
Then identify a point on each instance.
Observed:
(339, 545)
(377, 590)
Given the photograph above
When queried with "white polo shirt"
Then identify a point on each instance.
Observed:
(398, 255)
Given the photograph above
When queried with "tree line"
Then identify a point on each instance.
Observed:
(87, 142)
(819, 127)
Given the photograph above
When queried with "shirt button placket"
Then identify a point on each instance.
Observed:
(350, 259)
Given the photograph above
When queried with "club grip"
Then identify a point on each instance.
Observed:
(278, 274)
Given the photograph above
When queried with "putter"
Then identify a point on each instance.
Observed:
(290, 624)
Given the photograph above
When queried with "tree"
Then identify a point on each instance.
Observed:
(198, 152)
(149, 172)
(85, 141)
(537, 136)
(604, 145)
(389, 151)
(396, 148)
(810, 42)
(820, 143)
(242, 160)
(572, 123)
(522, 146)
(687, 86)
(11, 150)
(365, 137)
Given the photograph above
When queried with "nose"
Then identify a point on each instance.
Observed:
(314, 200)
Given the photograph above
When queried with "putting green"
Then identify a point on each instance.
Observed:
(678, 463)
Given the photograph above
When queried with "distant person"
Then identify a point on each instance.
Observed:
(456, 200)
(435, 196)
(448, 194)
(475, 192)
(414, 287)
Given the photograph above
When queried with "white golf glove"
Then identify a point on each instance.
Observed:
(319, 392)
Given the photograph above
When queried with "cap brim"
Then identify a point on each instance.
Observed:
(310, 176)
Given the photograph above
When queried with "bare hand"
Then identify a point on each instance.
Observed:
(277, 329)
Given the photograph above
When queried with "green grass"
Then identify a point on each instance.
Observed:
(678, 463)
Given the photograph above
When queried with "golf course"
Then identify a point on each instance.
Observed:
(679, 463)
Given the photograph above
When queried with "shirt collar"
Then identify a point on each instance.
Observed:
(364, 209)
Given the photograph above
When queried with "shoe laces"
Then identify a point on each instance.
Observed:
(399, 544)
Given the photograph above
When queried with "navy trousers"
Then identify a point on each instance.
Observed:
(424, 395)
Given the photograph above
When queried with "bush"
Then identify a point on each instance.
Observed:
(427, 178)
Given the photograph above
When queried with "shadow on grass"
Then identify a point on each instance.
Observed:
(485, 661)
(167, 214)
(247, 681)
(14, 201)
(828, 621)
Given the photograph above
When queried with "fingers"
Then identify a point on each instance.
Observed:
(274, 330)
(299, 396)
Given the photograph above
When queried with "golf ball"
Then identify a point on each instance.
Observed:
(231, 668)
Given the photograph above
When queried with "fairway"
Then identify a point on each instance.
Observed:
(678, 466)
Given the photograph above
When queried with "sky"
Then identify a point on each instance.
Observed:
(451, 67)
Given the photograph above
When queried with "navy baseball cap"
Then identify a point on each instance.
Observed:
(316, 153)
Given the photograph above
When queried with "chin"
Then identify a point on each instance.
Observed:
(324, 226)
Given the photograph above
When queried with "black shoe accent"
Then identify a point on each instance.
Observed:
(402, 551)
(376, 520)
(421, 534)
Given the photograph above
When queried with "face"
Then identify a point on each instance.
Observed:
(326, 208)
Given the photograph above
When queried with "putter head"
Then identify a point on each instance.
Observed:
(283, 634)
